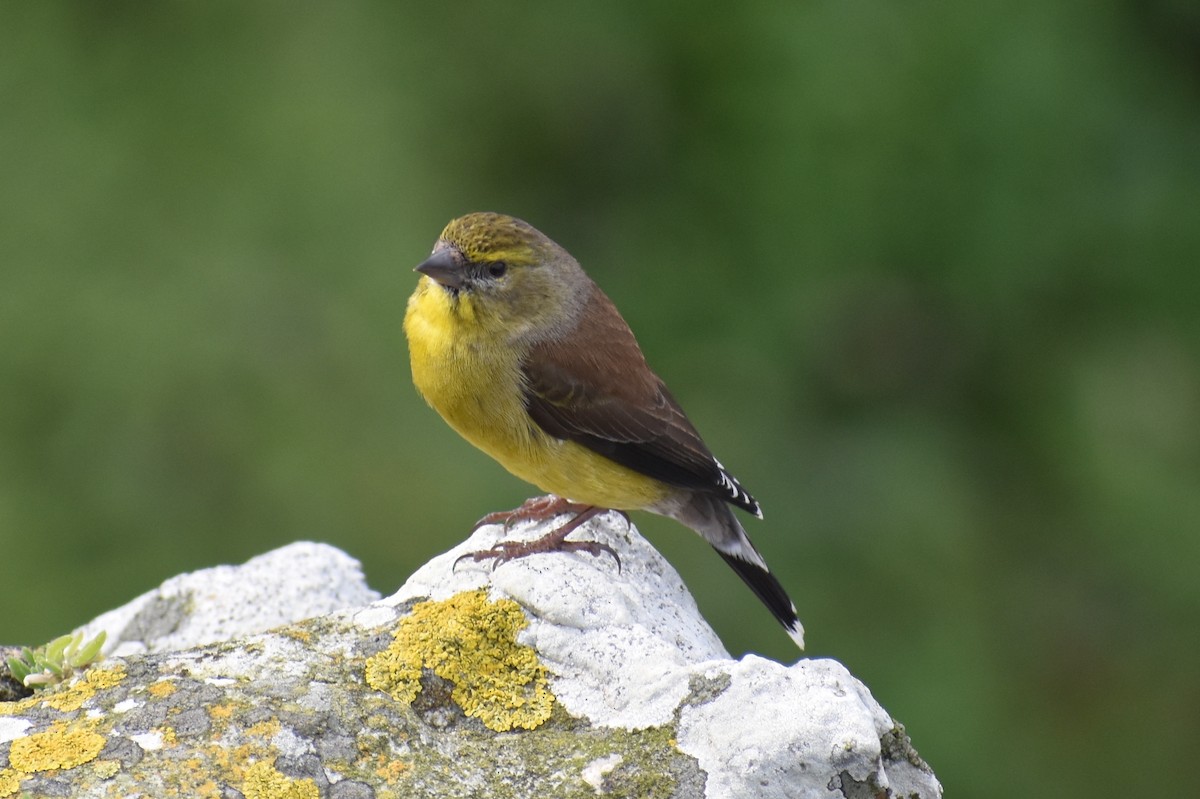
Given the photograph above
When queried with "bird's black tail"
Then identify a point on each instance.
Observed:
(770, 592)
(709, 516)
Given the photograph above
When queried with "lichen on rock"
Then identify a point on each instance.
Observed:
(264, 781)
(61, 746)
(471, 642)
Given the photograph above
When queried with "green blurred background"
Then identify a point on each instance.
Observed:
(927, 277)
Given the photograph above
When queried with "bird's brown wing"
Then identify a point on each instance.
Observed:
(595, 389)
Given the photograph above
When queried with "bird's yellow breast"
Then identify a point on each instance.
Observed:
(472, 377)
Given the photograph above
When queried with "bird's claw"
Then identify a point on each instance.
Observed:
(505, 551)
(499, 554)
(625, 516)
(594, 548)
(541, 508)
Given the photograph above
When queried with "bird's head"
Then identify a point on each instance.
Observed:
(505, 276)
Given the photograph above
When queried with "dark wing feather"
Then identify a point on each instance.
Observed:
(595, 389)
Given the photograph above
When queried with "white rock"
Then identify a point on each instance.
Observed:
(776, 730)
(295, 582)
(593, 773)
(12, 729)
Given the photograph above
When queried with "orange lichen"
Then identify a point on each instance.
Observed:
(391, 770)
(162, 689)
(224, 711)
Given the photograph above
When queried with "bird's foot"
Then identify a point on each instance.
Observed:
(534, 509)
(554, 541)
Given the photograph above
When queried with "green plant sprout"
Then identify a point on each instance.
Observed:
(56, 661)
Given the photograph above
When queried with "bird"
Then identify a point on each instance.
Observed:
(523, 355)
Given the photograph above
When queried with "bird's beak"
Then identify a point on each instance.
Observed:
(445, 267)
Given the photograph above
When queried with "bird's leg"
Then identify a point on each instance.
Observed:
(554, 541)
(534, 509)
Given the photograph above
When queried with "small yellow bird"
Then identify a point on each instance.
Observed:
(523, 355)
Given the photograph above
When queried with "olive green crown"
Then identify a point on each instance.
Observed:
(487, 236)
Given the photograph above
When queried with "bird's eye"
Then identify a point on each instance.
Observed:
(497, 268)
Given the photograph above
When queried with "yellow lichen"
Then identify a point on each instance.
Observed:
(60, 746)
(263, 781)
(106, 678)
(73, 696)
(10, 781)
(67, 698)
(265, 729)
(298, 634)
(240, 755)
(472, 643)
(168, 736)
(106, 769)
(22, 706)
(194, 776)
